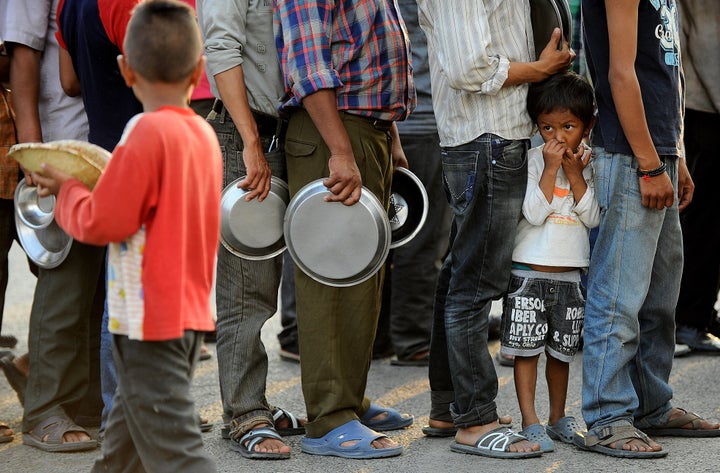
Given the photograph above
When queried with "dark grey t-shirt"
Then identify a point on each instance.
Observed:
(658, 70)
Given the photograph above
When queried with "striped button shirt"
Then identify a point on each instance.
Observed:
(470, 45)
(358, 47)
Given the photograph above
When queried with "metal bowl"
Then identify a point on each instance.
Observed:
(48, 245)
(336, 244)
(408, 207)
(250, 229)
(35, 211)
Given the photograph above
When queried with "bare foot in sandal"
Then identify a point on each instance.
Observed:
(638, 445)
(269, 445)
(701, 423)
(470, 436)
(382, 442)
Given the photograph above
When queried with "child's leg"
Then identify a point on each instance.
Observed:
(564, 325)
(525, 373)
(556, 373)
(118, 452)
(157, 410)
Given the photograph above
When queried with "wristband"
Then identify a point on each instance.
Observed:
(646, 175)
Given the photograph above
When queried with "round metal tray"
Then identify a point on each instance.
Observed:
(336, 244)
(251, 229)
(47, 245)
(408, 207)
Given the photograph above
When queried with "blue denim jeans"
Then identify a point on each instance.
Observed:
(633, 286)
(108, 378)
(485, 183)
(246, 297)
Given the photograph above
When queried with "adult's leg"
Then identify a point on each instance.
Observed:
(58, 335)
(336, 325)
(246, 297)
(288, 337)
(701, 271)
(442, 393)
(415, 264)
(616, 340)
(650, 371)
(486, 181)
(7, 236)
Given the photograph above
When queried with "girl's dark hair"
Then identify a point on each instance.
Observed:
(563, 91)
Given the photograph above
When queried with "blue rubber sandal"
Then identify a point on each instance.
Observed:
(536, 433)
(393, 421)
(564, 429)
(331, 443)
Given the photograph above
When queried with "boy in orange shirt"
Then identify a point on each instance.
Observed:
(157, 205)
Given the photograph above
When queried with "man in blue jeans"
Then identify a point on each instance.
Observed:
(633, 282)
(479, 71)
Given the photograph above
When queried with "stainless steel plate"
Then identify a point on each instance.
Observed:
(408, 207)
(250, 229)
(47, 245)
(336, 244)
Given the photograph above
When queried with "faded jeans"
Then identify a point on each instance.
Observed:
(246, 297)
(485, 183)
(633, 286)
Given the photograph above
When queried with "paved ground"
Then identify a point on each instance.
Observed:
(406, 388)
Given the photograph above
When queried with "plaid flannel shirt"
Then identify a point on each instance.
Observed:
(358, 47)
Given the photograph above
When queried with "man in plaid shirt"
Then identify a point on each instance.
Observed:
(348, 78)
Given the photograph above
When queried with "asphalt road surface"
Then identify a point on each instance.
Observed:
(695, 379)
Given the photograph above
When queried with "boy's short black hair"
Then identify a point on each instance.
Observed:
(563, 91)
(162, 43)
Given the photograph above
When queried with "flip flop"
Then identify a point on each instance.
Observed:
(564, 429)
(249, 440)
(295, 426)
(330, 444)
(674, 428)
(393, 421)
(52, 429)
(494, 444)
(599, 441)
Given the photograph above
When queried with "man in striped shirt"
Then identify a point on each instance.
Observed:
(347, 78)
(481, 61)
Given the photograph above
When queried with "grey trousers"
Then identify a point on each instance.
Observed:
(246, 297)
(64, 338)
(153, 426)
